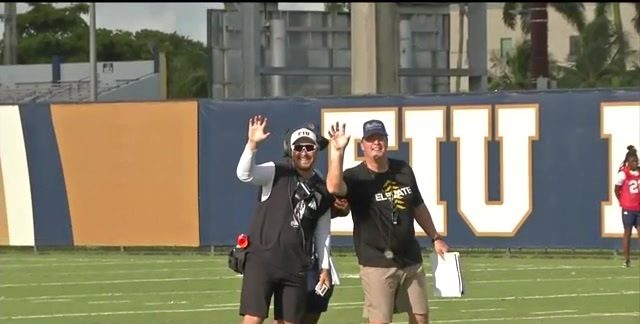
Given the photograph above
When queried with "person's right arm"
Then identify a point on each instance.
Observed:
(335, 179)
(247, 170)
(620, 178)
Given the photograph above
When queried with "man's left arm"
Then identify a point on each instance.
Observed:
(423, 217)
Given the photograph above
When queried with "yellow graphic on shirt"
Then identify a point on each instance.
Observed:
(396, 194)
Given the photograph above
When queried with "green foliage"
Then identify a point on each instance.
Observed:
(511, 72)
(45, 31)
(573, 12)
(337, 6)
(600, 59)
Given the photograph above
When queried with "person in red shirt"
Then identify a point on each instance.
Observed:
(627, 191)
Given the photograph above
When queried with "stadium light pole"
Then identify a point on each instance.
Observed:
(92, 51)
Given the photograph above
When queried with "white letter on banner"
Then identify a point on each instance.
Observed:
(424, 130)
(620, 126)
(14, 172)
(517, 127)
(354, 118)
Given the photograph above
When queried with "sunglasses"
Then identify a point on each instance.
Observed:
(306, 147)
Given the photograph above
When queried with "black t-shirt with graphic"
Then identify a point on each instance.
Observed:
(374, 197)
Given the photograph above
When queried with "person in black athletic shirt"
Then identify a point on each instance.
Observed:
(384, 200)
(294, 206)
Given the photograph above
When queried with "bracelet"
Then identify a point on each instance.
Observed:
(436, 238)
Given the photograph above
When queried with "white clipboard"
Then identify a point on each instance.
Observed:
(447, 275)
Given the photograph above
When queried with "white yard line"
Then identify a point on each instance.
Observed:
(42, 257)
(75, 273)
(532, 318)
(531, 268)
(91, 262)
(181, 302)
(357, 276)
(120, 294)
(157, 311)
(344, 276)
(432, 300)
(222, 305)
(101, 282)
(482, 310)
(338, 306)
(130, 261)
(50, 301)
(108, 302)
(551, 279)
(554, 312)
(534, 297)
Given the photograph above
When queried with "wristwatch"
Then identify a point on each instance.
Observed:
(435, 238)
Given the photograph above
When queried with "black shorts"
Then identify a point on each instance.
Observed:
(262, 281)
(317, 304)
(630, 219)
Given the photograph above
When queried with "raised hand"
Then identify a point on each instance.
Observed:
(339, 138)
(256, 133)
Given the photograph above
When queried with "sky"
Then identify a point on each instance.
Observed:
(186, 18)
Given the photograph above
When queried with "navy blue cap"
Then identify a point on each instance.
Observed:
(372, 127)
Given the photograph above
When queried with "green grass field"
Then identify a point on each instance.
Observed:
(88, 287)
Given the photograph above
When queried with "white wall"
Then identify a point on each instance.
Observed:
(12, 74)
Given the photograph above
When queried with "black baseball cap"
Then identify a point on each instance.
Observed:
(372, 127)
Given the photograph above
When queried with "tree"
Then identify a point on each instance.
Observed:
(597, 63)
(45, 31)
(187, 62)
(462, 12)
(337, 6)
(512, 72)
(621, 39)
(536, 13)
(188, 77)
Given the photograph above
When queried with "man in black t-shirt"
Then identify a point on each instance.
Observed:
(384, 199)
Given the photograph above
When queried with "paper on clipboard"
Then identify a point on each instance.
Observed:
(447, 275)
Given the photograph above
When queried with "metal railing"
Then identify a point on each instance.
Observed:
(61, 91)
